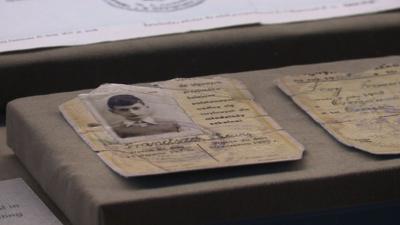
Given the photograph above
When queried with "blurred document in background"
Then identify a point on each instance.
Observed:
(28, 24)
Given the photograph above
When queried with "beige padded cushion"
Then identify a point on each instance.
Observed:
(330, 175)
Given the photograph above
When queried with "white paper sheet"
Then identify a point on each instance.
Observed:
(27, 24)
(271, 12)
(20, 206)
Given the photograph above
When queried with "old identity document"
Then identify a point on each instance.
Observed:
(361, 110)
(178, 125)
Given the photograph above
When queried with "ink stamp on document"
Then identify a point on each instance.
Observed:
(154, 5)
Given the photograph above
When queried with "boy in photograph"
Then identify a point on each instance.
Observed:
(138, 120)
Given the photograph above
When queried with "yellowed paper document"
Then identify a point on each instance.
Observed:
(178, 125)
(361, 110)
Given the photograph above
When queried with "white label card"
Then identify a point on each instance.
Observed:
(20, 206)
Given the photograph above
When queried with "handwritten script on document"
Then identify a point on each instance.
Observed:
(361, 110)
(20, 206)
(178, 125)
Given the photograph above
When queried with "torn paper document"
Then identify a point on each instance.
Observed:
(178, 125)
(361, 110)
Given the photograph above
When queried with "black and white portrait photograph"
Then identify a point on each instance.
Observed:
(140, 115)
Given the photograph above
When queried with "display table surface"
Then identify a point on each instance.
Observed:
(33, 72)
(11, 168)
(330, 175)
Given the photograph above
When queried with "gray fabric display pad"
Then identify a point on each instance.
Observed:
(33, 72)
(11, 168)
(330, 175)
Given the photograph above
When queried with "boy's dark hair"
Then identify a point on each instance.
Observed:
(123, 100)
